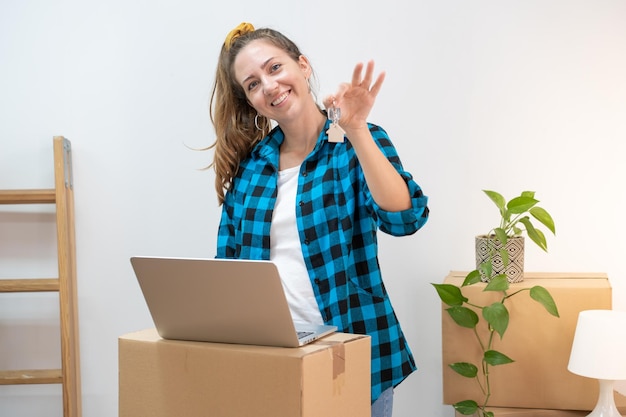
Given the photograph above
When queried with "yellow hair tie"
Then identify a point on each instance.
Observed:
(242, 29)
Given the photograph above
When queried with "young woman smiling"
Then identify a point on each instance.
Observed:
(310, 193)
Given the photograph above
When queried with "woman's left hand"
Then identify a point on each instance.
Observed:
(356, 99)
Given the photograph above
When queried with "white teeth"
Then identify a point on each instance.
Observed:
(280, 99)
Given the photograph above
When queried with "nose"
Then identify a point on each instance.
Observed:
(269, 85)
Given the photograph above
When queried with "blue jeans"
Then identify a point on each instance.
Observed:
(383, 406)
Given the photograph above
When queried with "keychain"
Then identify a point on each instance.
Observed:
(335, 132)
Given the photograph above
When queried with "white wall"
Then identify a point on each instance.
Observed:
(504, 95)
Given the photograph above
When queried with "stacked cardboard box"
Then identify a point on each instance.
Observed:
(165, 378)
(539, 343)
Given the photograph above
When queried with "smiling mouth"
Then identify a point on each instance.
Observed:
(280, 98)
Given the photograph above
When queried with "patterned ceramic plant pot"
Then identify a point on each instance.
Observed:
(490, 246)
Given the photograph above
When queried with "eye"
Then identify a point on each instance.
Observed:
(275, 67)
(252, 85)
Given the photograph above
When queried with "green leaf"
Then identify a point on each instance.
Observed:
(541, 295)
(463, 316)
(497, 283)
(536, 235)
(472, 278)
(521, 204)
(545, 218)
(488, 414)
(494, 358)
(497, 316)
(467, 407)
(497, 199)
(468, 370)
(540, 239)
(504, 255)
(529, 194)
(450, 294)
(485, 269)
(501, 235)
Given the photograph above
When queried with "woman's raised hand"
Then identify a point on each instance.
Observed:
(357, 98)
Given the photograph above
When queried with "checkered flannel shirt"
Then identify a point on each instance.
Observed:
(337, 220)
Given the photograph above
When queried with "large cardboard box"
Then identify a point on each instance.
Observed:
(539, 343)
(165, 378)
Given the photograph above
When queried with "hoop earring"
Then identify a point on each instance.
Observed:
(256, 122)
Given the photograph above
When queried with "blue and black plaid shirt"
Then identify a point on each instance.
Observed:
(337, 221)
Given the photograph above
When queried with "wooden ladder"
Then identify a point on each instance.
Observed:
(63, 197)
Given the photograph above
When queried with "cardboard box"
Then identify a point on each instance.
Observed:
(539, 343)
(533, 412)
(165, 378)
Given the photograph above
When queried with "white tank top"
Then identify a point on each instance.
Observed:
(286, 253)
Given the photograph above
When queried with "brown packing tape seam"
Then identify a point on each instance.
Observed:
(338, 356)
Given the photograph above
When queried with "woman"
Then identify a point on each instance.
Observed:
(311, 205)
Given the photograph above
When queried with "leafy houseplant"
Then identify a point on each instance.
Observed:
(464, 312)
(515, 219)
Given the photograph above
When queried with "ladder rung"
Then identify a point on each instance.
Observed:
(43, 196)
(29, 285)
(31, 376)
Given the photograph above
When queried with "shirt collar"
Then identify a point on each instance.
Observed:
(269, 147)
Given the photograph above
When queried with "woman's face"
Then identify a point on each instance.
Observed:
(275, 84)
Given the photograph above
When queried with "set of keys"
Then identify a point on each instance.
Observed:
(335, 132)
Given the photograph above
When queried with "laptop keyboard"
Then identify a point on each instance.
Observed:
(304, 334)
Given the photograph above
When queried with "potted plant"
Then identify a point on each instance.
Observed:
(502, 249)
(514, 215)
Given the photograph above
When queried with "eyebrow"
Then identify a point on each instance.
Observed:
(262, 67)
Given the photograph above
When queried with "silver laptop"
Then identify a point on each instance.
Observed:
(221, 300)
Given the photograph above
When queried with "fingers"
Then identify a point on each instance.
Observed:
(359, 80)
(366, 81)
(356, 74)
(335, 99)
(378, 84)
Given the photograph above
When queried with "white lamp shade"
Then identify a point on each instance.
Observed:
(599, 347)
